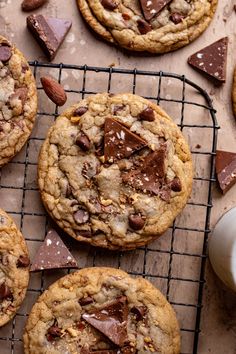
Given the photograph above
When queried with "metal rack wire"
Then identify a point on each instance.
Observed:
(163, 262)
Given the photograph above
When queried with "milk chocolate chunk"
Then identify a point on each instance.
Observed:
(53, 332)
(139, 312)
(150, 175)
(86, 301)
(175, 185)
(109, 4)
(153, 7)
(111, 320)
(119, 141)
(53, 254)
(5, 292)
(136, 221)
(50, 32)
(80, 111)
(5, 52)
(83, 142)
(176, 17)
(143, 26)
(147, 114)
(225, 169)
(21, 93)
(23, 261)
(81, 216)
(212, 60)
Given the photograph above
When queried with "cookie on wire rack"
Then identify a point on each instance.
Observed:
(14, 268)
(103, 311)
(115, 171)
(153, 26)
(18, 101)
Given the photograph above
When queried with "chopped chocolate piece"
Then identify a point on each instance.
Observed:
(80, 111)
(150, 175)
(53, 332)
(226, 169)
(143, 26)
(5, 53)
(147, 114)
(118, 108)
(175, 185)
(109, 4)
(119, 141)
(86, 301)
(136, 221)
(100, 148)
(83, 142)
(165, 194)
(212, 60)
(176, 17)
(21, 93)
(111, 320)
(80, 325)
(81, 216)
(153, 7)
(23, 261)
(84, 233)
(49, 32)
(139, 312)
(126, 17)
(5, 292)
(53, 254)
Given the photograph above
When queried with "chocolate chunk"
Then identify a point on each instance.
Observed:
(111, 320)
(212, 60)
(80, 325)
(83, 142)
(86, 301)
(100, 148)
(139, 312)
(226, 169)
(80, 111)
(53, 254)
(153, 7)
(5, 52)
(119, 141)
(126, 17)
(5, 292)
(150, 175)
(81, 216)
(176, 17)
(23, 261)
(53, 332)
(136, 221)
(143, 26)
(175, 185)
(84, 233)
(165, 194)
(147, 114)
(49, 32)
(109, 4)
(21, 93)
(117, 108)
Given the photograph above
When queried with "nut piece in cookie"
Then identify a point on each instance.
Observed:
(225, 169)
(49, 32)
(53, 254)
(212, 60)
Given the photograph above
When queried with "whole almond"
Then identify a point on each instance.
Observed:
(30, 5)
(54, 90)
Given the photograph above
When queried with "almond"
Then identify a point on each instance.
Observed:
(29, 5)
(54, 90)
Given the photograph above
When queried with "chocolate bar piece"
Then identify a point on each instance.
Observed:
(226, 169)
(53, 254)
(152, 7)
(212, 60)
(49, 32)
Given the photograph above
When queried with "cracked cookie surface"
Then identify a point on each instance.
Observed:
(14, 268)
(103, 311)
(234, 93)
(152, 26)
(115, 171)
(18, 101)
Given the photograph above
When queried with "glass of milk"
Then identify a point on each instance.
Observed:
(222, 248)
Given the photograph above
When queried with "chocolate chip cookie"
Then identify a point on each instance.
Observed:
(14, 268)
(156, 26)
(102, 311)
(234, 93)
(115, 171)
(18, 101)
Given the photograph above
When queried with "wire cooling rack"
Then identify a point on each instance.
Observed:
(175, 263)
